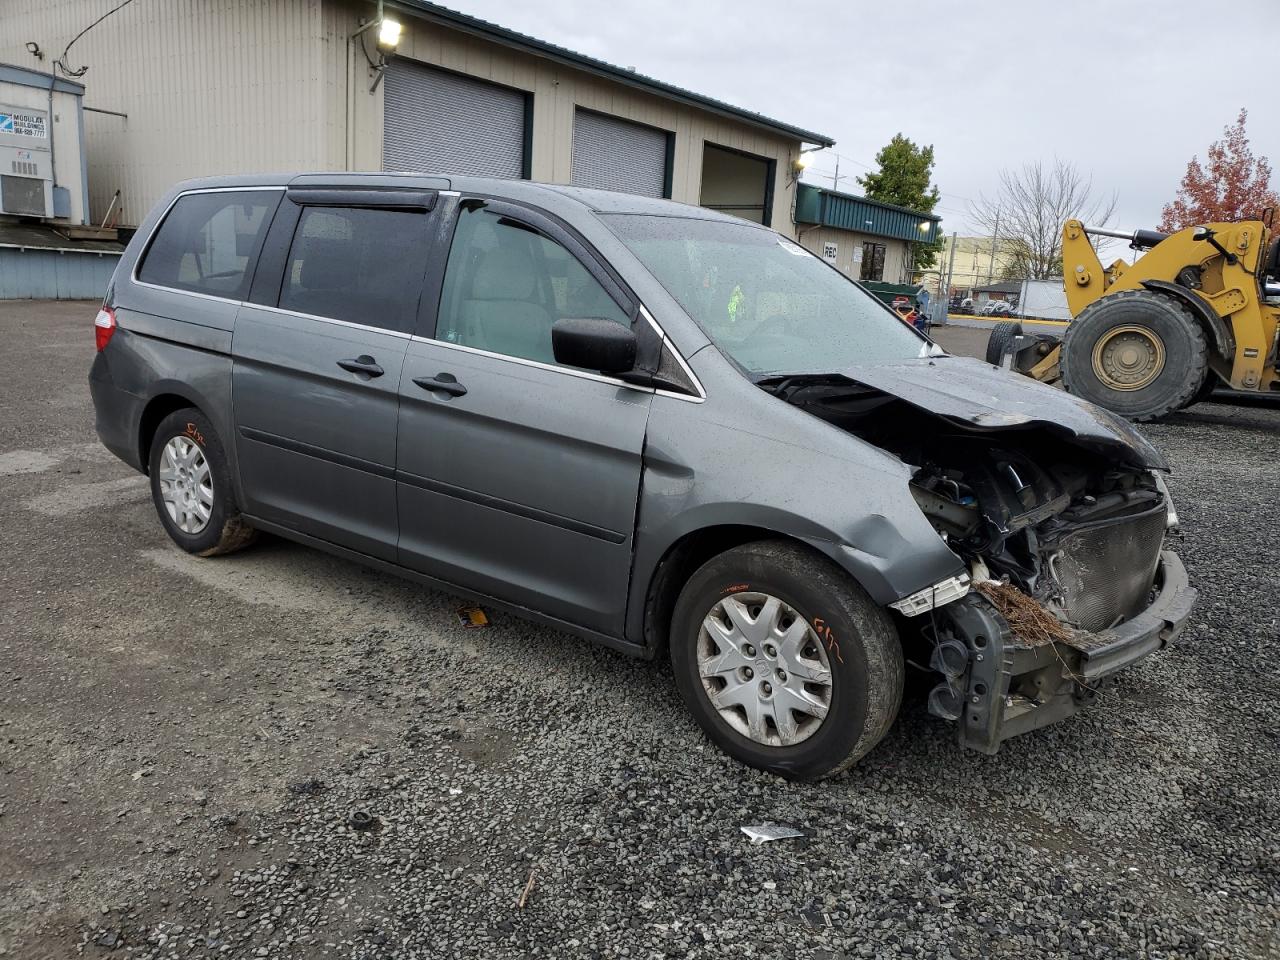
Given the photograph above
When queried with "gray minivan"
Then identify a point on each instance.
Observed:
(659, 427)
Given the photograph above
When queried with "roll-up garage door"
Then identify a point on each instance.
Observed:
(439, 122)
(612, 154)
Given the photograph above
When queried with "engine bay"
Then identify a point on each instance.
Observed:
(1011, 501)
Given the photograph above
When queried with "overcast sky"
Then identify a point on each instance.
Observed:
(1126, 90)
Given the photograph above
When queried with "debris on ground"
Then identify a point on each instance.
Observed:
(472, 617)
(362, 820)
(528, 889)
(767, 832)
(1030, 622)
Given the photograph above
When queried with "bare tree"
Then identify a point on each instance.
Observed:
(1028, 212)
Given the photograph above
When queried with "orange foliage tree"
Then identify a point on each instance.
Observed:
(1232, 185)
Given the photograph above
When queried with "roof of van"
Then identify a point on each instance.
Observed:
(549, 195)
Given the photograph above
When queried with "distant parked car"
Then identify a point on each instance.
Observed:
(658, 427)
(997, 308)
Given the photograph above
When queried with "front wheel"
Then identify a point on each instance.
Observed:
(785, 662)
(191, 486)
(1138, 353)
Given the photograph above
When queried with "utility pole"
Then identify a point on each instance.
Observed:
(951, 266)
(835, 177)
(995, 233)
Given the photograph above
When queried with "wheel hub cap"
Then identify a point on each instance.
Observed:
(186, 485)
(1128, 357)
(764, 669)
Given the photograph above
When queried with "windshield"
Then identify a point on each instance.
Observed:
(768, 303)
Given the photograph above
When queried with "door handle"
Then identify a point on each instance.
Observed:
(362, 364)
(444, 382)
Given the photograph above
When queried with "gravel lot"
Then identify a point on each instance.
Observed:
(184, 741)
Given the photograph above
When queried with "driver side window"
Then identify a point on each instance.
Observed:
(506, 284)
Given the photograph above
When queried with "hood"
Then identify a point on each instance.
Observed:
(980, 396)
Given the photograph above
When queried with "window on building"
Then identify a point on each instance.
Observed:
(357, 264)
(209, 241)
(872, 261)
(506, 284)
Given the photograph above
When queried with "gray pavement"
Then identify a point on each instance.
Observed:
(183, 743)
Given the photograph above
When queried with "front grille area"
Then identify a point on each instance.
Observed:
(1106, 570)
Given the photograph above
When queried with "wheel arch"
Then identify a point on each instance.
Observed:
(165, 399)
(1216, 330)
(667, 577)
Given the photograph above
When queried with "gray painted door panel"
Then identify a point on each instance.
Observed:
(525, 488)
(317, 443)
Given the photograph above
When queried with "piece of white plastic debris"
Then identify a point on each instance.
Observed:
(455, 791)
(766, 832)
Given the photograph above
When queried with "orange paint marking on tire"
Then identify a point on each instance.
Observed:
(827, 636)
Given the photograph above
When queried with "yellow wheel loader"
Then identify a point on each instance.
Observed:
(1192, 313)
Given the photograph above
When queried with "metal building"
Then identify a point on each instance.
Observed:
(223, 86)
(45, 250)
(865, 239)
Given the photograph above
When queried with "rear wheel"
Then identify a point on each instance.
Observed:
(1004, 336)
(191, 486)
(1138, 353)
(785, 662)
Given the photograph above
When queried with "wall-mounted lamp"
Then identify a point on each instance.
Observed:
(389, 30)
(388, 34)
(924, 226)
(33, 48)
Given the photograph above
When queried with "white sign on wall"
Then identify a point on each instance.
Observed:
(829, 252)
(857, 254)
(22, 124)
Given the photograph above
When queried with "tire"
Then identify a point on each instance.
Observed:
(1161, 325)
(1001, 341)
(829, 617)
(1211, 383)
(207, 478)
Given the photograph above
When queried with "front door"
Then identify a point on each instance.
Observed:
(517, 477)
(317, 369)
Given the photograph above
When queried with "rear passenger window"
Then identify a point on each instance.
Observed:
(506, 284)
(209, 241)
(356, 264)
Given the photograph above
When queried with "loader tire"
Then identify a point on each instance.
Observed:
(1137, 353)
(1003, 337)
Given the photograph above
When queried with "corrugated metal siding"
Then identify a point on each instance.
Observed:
(438, 122)
(210, 87)
(613, 154)
(54, 275)
(845, 212)
(560, 90)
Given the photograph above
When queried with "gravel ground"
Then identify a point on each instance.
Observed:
(184, 743)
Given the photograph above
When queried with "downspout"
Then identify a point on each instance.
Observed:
(53, 157)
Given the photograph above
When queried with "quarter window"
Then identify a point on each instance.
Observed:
(209, 242)
(506, 284)
(357, 264)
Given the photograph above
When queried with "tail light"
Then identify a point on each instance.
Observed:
(104, 325)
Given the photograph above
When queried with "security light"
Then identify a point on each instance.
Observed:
(804, 160)
(388, 34)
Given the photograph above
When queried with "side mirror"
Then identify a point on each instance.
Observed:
(593, 343)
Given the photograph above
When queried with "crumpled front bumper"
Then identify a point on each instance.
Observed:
(1010, 687)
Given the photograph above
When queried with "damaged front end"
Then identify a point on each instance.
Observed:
(1058, 514)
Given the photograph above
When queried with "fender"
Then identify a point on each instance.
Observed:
(1215, 328)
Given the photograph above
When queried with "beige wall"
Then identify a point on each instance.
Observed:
(895, 252)
(557, 91)
(243, 86)
(974, 266)
(65, 127)
(210, 86)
